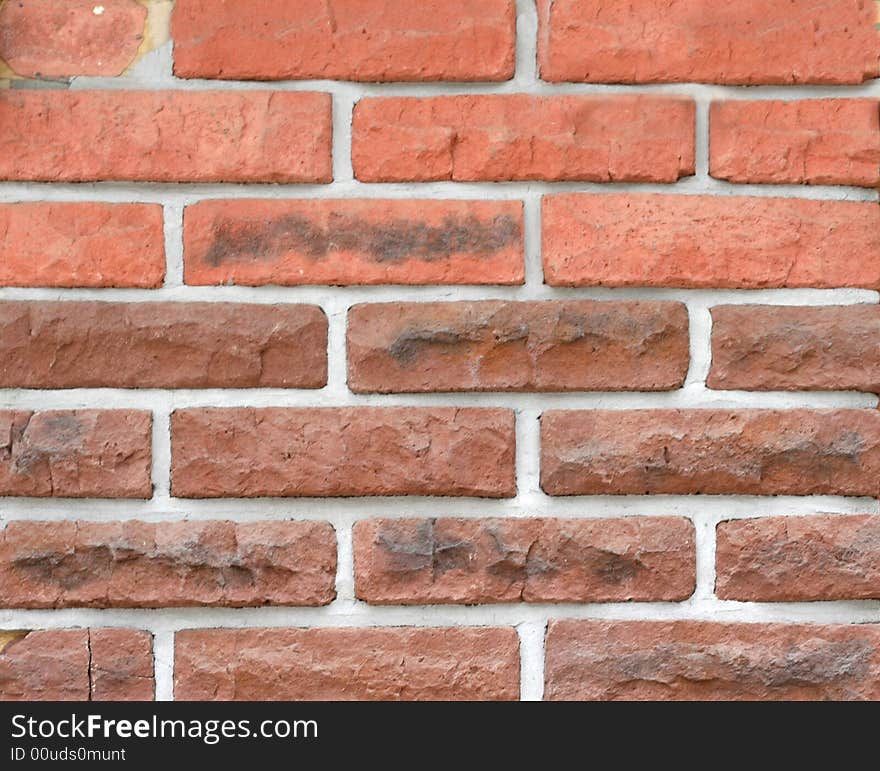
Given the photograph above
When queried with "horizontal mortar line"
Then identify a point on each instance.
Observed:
(345, 511)
(358, 614)
(188, 193)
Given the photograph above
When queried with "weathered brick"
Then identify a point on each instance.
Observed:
(76, 665)
(369, 40)
(50, 40)
(517, 346)
(617, 138)
(814, 142)
(75, 453)
(170, 564)
(749, 42)
(702, 661)
(165, 136)
(161, 345)
(354, 451)
(81, 245)
(799, 559)
(353, 241)
(714, 452)
(401, 663)
(707, 241)
(781, 348)
(469, 561)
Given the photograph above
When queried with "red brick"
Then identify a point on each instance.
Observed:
(799, 559)
(165, 136)
(75, 453)
(703, 661)
(713, 452)
(352, 241)
(52, 40)
(161, 345)
(517, 346)
(170, 564)
(749, 42)
(708, 241)
(368, 40)
(617, 138)
(469, 561)
(387, 664)
(76, 665)
(814, 142)
(779, 348)
(249, 452)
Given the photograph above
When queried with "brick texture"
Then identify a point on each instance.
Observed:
(709, 242)
(395, 664)
(170, 564)
(354, 451)
(161, 345)
(799, 559)
(749, 42)
(502, 346)
(702, 661)
(466, 561)
(353, 242)
(370, 40)
(521, 137)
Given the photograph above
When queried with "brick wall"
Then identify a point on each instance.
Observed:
(478, 349)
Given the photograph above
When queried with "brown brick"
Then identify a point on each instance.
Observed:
(369, 40)
(353, 241)
(353, 451)
(81, 245)
(767, 348)
(799, 559)
(161, 345)
(517, 346)
(618, 138)
(698, 241)
(713, 452)
(165, 136)
(76, 665)
(469, 561)
(402, 663)
(704, 661)
(76, 453)
(169, 564)
(815, 142)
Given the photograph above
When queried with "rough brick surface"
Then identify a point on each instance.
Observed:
(47, 39)
(468, 561)
(342, 452)
(521, 137)
(76, 665)
(371, 40)
(81, 245)
(714, 452)
(799, 559)
(75, 453)
(169, 564)
(815, 142)
(349, 241)
(402, 663)
(748, 42)
(779, 348)
(506, 346)
(161, 345)
(165, 136)
(700, 660)
(709, 242)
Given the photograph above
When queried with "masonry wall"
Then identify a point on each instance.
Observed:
(467, 350)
